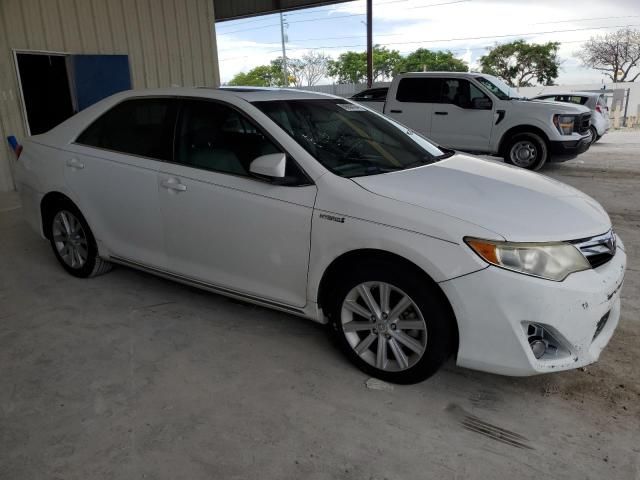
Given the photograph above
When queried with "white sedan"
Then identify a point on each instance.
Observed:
(319, 207)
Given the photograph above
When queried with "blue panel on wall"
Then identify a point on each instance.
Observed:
(98, 76)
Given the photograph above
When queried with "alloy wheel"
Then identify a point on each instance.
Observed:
(384, 326)
(70, 239)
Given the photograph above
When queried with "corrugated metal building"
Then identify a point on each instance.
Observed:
(168, 42)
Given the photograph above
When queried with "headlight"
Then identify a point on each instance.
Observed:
(564, 123)
(553, 261)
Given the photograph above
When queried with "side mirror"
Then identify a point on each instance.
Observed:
(482, 103)
(272, 165)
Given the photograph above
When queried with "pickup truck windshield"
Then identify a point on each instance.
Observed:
(497, 87)
(348, 139)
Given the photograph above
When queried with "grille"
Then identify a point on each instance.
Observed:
(583, 122)
(598, 250)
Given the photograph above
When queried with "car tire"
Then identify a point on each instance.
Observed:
(424, 333)
(526, 150)
(73, 242)
(594, 135)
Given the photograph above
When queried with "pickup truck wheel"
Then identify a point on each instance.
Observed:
(390, 322)
(526, 150)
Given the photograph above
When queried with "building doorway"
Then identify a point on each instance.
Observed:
(46, 91)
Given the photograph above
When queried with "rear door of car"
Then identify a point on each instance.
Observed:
(463, 118)
(112, 171)
(411, 103)
(224, 226)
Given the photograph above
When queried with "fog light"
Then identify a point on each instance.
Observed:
(538, 347)
(544, 344)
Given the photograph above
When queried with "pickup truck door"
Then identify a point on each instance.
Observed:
(411, 103)
(463, 118)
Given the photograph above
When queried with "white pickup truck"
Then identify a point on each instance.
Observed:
(479, 113)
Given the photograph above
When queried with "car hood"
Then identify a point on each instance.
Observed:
(517, 204)
(557, 107)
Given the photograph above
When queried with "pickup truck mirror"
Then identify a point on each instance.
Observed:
(482, 103)
(272, 165)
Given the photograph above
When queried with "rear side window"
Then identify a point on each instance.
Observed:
(419, 90)
(142, 126)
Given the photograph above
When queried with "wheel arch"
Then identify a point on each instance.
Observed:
(47, 205)
(351, 258)
(506, 136)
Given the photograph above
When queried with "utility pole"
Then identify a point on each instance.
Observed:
(285, 77)
(369, 43)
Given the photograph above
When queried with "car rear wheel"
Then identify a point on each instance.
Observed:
(391, 323)
(594, 135)
(73, 243)
(526, 150)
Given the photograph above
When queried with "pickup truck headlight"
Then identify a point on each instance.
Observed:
(564, 123)
(552, 261)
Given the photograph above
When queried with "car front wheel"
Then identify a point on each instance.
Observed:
(526, 150)
(391, 322)
(73, 243)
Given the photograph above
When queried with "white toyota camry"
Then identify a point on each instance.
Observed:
(319, 207)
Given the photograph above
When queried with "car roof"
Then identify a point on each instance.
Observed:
(443, 74)
(250, 94)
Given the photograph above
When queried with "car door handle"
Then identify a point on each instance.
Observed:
(395, 111)
(173, 184)
(442, 113)
(75, 163)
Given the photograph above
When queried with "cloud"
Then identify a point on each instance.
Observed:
(467, 28)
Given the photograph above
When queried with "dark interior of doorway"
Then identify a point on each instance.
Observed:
(45, 89)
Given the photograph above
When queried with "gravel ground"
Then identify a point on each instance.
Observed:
(129, 376)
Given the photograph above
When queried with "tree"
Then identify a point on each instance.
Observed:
(261, 76)
(309, 69)
(520, 63)
(427, 60)
(616, 54)
(351, 67)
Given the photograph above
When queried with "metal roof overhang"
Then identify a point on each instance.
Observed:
(235, 9)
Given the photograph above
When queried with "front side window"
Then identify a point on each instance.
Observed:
(141, 126)
(464, 94)
(216, 137)
(497, 87)
(348, 139)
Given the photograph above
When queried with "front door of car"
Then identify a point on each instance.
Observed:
(224, 226)
(463, 118)
(111, 170)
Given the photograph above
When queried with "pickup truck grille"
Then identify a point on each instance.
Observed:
(598, 250)
(583, 122)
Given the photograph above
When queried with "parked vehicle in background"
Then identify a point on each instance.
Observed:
(316, 206)
(595, 101)
(373, 98)
(479, 113)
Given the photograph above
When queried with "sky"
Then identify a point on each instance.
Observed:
(465, 27)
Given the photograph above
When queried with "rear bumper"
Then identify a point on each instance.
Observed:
(494, 309)
(562, 150)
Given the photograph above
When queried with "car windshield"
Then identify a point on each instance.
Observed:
(349, 139)
(497, 87)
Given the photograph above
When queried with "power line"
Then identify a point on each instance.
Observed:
(475, 38)
(401, 34)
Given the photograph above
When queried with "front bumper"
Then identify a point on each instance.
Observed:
(562, 150)
(494, 307)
